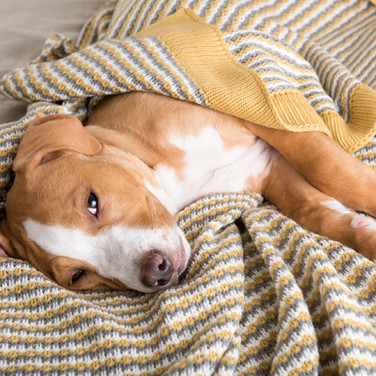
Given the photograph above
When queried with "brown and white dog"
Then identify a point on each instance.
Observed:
(93, 207)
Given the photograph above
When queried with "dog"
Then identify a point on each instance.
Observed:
(93, 207)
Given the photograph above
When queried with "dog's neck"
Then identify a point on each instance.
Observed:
(146, 150)
(191, 150)
(186, 166)
(149, 151)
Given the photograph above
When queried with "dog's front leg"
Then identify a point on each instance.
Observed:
(316, 211)
(325, 165)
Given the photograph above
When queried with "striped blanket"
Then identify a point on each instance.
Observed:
(260, 295)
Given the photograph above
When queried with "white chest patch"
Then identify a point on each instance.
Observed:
(211, 167)
(115, 253)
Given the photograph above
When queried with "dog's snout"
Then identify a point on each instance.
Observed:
(157, 270)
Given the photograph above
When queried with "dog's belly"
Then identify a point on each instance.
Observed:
(212, 166)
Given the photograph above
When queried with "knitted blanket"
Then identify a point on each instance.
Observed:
(260, 295)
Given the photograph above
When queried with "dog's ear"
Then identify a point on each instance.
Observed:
(47, 136)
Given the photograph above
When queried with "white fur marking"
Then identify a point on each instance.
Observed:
(337, 206)
(210, 167)
(115, 254)
(162, 196)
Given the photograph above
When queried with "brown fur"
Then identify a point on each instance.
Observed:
(311, 169)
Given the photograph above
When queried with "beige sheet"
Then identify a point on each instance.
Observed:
(25, 25)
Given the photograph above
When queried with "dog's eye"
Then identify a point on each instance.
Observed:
(76, 276)
(92, 204)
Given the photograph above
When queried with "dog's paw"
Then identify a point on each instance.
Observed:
(364, 235)
(361, 221)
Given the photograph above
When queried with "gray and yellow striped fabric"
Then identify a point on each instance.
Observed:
(260, 295)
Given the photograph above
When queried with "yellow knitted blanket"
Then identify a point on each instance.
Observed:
(261, 295)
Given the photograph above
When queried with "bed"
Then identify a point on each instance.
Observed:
(261, 295)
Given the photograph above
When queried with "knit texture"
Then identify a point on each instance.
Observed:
(260, 295)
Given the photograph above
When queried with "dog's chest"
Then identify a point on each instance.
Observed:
(213, 161)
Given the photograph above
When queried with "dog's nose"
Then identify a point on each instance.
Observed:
(157, 270)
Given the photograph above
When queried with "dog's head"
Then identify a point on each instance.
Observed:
(81, 212)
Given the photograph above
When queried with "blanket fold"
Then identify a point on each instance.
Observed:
(261, 295)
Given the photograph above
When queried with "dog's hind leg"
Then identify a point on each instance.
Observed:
(325, 165)
(316, 211)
